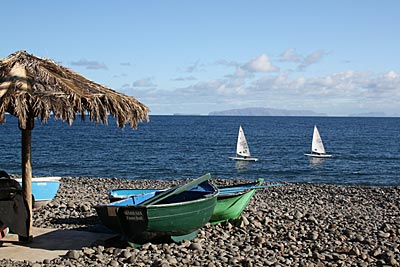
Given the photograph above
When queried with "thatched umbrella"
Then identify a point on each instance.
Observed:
(32, 87)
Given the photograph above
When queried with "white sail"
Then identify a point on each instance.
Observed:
(242, 148)
(317, 145)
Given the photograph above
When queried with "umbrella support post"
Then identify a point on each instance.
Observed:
(27, 176)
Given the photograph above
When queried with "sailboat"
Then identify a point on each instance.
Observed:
(317, 147)
(242, 148)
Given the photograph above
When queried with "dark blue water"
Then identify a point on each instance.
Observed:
(366, 151)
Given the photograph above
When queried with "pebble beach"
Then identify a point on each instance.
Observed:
(289, 225)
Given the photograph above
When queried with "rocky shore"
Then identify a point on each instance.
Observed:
(289, 225)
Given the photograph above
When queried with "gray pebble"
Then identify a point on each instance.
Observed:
(73, 254)
(195, 246)
(291, 225)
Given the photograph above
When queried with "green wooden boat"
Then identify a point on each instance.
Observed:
(173, 214)
(232, 200)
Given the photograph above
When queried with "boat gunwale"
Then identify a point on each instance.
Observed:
(204, 198)
(235, 194)
(221, 194)
(208, 196)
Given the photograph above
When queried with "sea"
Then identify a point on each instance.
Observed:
(366, 151)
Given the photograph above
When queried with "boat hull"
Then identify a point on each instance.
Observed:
(164, 222)
(108, 213)
(108, 217)
(232, 200)
(318, 155)
(172, 214)
(243, 159)
(44, 189)
(231, 206)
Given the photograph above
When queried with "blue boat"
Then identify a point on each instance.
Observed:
(44, 189)
(120, 194)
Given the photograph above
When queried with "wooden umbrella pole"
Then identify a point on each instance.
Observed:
(27, 176)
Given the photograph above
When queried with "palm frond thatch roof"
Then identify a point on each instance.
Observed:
(38, 87)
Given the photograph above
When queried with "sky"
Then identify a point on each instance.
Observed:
(194, 57)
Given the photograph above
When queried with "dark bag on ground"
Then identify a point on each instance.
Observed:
(13, 208)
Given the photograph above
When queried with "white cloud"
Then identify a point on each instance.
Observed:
(369, 88)
(391, 75)
(199, 90)
(239, 74)
(147, 82)
(311, 59)
(254, 83)
(194, 67)
(314, 57)
(228, 63)
(89, 64)
(186, 78)
(260, 64)
(290, 55)
(232, 89)
(319, 93)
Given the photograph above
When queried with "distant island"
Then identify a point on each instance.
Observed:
(369, 114)
(185, 114)
(264, 112)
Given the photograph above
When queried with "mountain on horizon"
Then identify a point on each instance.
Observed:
(264, 112)
(369, 114)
